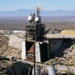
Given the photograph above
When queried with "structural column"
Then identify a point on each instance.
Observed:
(23, 54)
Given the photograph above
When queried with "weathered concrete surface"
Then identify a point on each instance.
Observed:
(15, 41)
(60, 36)
(14, 50)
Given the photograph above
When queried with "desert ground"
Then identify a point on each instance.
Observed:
(11, 49)
(12, 23)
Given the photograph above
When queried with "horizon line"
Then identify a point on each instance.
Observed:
(41, 10)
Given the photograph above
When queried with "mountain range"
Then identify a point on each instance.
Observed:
(26, 12)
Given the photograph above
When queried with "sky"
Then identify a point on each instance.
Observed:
(11, 5)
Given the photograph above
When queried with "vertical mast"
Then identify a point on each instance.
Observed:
(38, 11)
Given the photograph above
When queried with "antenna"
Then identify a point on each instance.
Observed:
(38, 11)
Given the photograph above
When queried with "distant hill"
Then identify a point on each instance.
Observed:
(26, 12)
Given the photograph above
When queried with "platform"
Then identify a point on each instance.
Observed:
(60, 36)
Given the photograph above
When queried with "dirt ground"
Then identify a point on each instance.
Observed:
(6, 50)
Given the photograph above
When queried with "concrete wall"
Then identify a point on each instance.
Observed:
(37, 52)
(15, 41)
(56, 44)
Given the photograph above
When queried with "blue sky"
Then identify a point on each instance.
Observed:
(7, 5)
